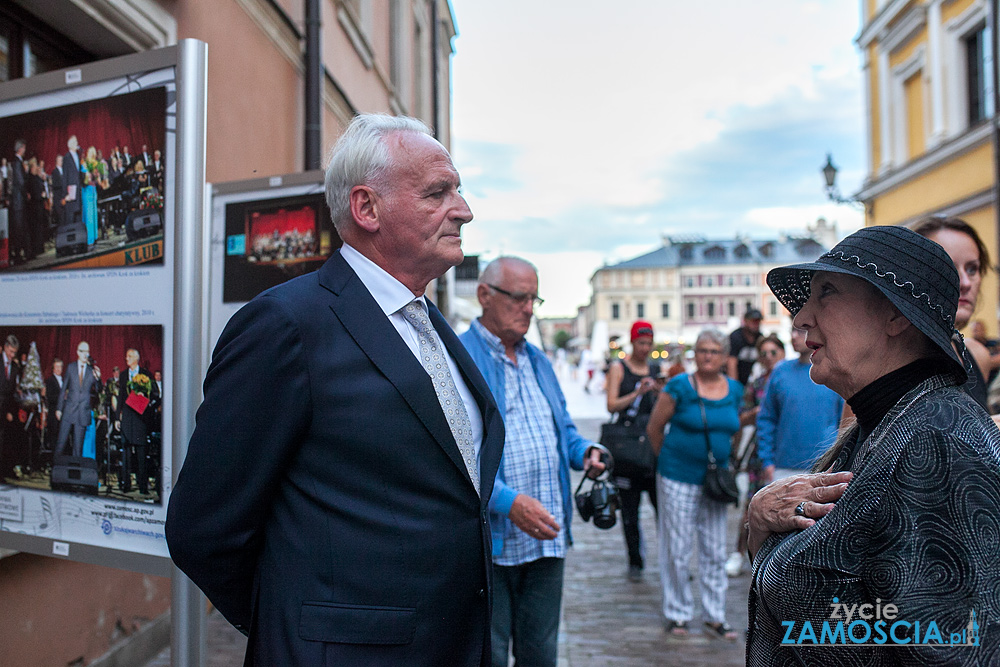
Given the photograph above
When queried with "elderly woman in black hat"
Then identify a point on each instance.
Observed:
(904, 567)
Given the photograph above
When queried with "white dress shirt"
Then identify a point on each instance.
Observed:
(391, 296)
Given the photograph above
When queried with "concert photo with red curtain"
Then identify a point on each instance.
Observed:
(271, 240)
(91, 392)
(107, 193)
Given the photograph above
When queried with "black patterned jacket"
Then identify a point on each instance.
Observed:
(918, 528)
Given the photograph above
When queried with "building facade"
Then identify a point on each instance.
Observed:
(390, 56)
(928, 84)
(692, 283)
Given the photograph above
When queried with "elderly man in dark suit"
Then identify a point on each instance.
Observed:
(53, 391)
(10, 372)
(18, 232)
(134, 425)
(71, 167)
(74, 413)
(58, 179)
(334, 498)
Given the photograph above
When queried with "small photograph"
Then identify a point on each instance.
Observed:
(81, 409)
(82, 186)
(269, 241)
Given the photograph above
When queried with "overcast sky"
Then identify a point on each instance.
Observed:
(585, 130)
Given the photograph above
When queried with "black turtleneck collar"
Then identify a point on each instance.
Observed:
(873, 402)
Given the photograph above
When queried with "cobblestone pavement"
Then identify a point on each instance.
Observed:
(606, 620)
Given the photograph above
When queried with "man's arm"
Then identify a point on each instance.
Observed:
(767, 426)
(255, 413)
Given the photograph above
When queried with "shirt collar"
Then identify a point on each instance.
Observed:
(389, 293)
(493, 341)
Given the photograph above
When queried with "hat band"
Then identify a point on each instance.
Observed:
(864, 266)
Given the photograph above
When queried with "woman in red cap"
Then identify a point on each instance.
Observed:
(633, 385)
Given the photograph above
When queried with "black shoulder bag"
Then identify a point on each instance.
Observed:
(720, 483)
(627, 442)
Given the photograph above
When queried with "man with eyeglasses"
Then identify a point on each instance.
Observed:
(798, 419)
(531, 506)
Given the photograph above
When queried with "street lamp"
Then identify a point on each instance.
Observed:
(830, 175)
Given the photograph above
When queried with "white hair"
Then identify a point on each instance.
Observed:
(493, 273)
(714, 336)
(361, 157)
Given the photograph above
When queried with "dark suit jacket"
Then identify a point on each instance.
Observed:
(72, 178)
(135, 426)
(18, 184)
(52, 392)
(58, 191)
(918, 528)
(8, 389)
(74, 402)
(324, 505)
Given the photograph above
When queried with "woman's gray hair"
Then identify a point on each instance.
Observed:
(360, 157)
(715, 336)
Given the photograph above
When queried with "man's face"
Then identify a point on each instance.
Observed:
(10, 351)
(421, 210)
(509, 317)
(57, 367)
(125, 149)
(752, 325)
(83, 352)
(158, 376)
(73, 144)
(58, 161)
(144, 148)
(132, 358)
(799, 343)
(156, 155)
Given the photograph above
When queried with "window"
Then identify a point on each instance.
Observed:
(665, 310)
(732, 309)
(730, 280)
(29, 47)
(686, 252)
(690, 311)
(715, 253)
(749, 305)
(979, 75)
(689, 281)
(640, 310)
(710, 281)
(743, 252)
(615, 311)
(711, 309)
(773, 309)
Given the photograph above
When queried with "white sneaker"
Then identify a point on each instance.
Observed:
(734, 564)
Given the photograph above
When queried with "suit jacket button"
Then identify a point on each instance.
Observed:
(481, 593)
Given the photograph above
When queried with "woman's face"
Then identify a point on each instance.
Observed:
(844, 320)
(770, 355)
(642, 346)
(708, 356)
(965, 254)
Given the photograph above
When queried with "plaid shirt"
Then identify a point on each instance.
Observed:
(530, 457)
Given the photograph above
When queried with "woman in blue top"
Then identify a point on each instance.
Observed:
(684, 510)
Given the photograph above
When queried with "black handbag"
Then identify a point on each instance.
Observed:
(627, 442)
(720, 483)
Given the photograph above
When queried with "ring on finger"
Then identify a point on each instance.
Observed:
(800, 509)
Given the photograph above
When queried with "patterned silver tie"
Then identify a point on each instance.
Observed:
(433, 360)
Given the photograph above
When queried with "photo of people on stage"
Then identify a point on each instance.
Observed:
(72, 192)
(81, 409)
(270, 241)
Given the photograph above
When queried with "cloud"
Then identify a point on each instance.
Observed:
(584, 130)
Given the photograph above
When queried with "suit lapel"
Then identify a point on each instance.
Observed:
(361, 316)
(489, 453)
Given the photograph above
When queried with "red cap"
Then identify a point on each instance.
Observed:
(640, 329)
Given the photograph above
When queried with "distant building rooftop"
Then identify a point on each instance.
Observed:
(695, 250)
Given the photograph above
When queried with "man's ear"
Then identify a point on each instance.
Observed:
(482, 291)
(364, 208)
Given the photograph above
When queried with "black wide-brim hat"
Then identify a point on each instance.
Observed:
(913, 272)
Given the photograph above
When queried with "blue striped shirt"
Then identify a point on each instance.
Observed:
(530, 455)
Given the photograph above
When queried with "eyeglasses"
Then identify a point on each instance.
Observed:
(707, 352)
(770, 353)
(520, 298)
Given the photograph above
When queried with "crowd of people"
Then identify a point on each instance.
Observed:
(282, 246)
(39, 200)
(365, 487)
(74, 413)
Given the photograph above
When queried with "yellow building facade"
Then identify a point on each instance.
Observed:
(928, 84)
